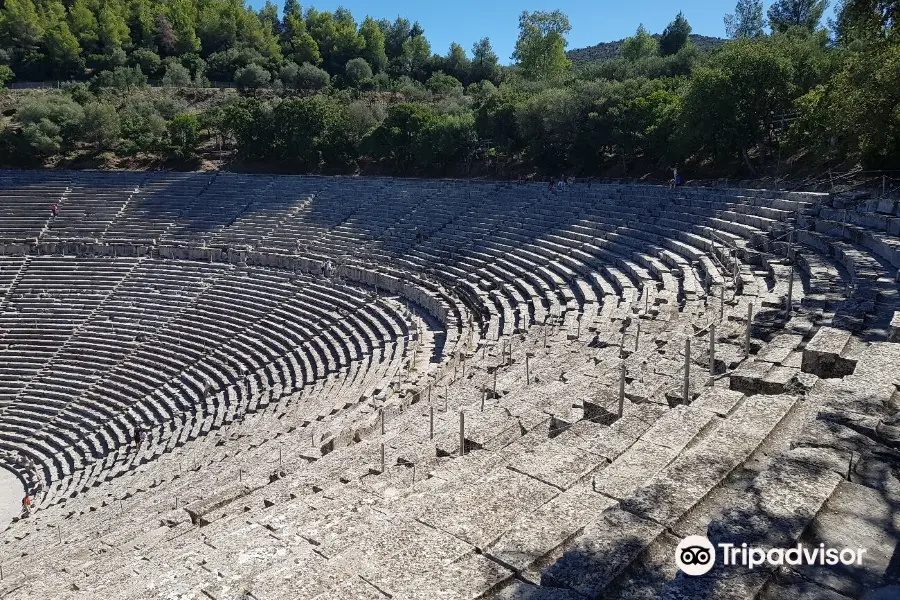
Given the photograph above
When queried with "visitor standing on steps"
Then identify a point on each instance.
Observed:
(53, 210)
(27, 504)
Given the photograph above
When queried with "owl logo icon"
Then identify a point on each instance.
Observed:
(695, 555)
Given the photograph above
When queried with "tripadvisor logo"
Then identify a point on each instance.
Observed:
(696, 555)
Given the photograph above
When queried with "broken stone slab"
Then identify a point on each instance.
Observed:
(601, 552)
(748, 378)
(199, 511)
(824, 354)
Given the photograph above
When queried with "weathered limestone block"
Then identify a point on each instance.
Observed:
(602, 552)
(823, 354)
(894, 335)
(202, 508)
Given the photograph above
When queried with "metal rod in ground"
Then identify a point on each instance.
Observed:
(462, 433)
(527, 371)
(382, 459)
(712, 350)
(545, 336)
(431, 422)
(429, 393)
(382, 421)
(747, 333)
(687, 370)
(637, 337)
(722, 301)
(621, 389)
(578, 331)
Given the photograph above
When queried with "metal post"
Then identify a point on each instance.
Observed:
(578, 331)
(712, 350)
(790, 294)
(382, 421)
(429, 394)
(382, 459)
(637, 337)
(646, 300)
(747, 333)
(545, 336)
(621, 389)
(462, 433)
(687, 370)
(722, 302)
(431, 422)
(527, 371)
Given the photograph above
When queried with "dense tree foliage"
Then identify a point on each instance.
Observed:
(746, 20)
(322, 91)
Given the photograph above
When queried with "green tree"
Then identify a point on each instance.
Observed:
(49, 123)
(730, 105)
(541, 46)
(374, 49)
(252, 77)
(746, 20)
(60, 46)
(485, 63)
(143, 128)
(176, 76)
(120, 78)
(147, 60)
(443, 85)
(184, 134)
(674, 36)
(6, 74)
(312, 133)
(357, 70)
(310, 78)
(640, 45)
(784, 14)
(101, 126)
(457, 64)
(21, 31)
(414, 58)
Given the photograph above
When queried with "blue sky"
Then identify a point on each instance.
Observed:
(466, 21)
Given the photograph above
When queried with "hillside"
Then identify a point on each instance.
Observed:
(608, 50)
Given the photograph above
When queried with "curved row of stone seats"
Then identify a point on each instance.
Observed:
(861, 239)
(79, 384)
(25, 201)
(519, 468)
(474, 524)
(90, 205)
